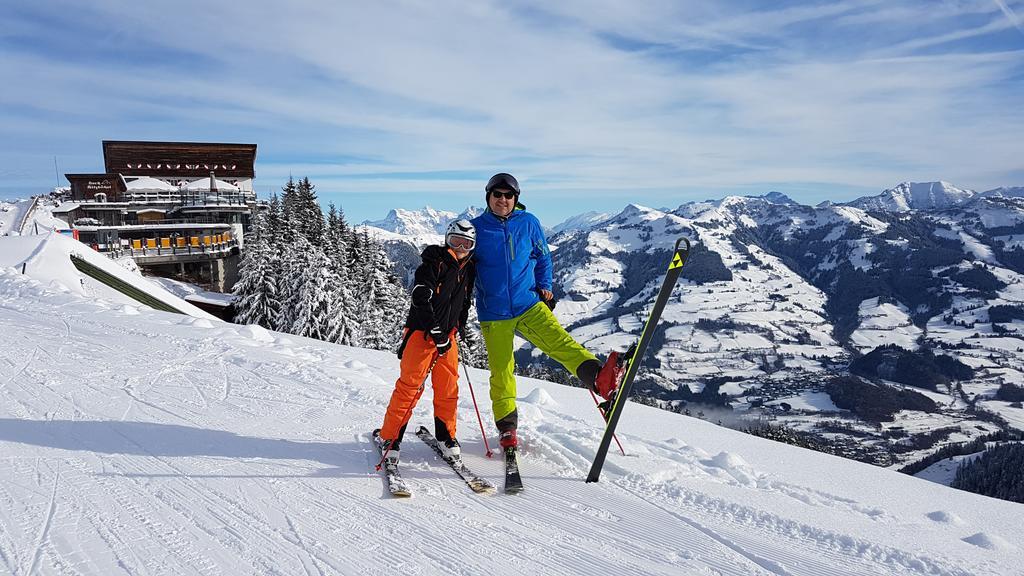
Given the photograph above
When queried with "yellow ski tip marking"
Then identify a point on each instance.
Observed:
(676, 262)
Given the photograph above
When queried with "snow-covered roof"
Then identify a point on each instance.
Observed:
(204, 184)
(66, 207)
(149, 184)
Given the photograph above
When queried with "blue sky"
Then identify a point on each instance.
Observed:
(591, 104)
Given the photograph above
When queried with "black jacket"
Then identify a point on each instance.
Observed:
(441, 291)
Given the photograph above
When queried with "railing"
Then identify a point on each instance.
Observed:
(179, 245)
(208, 244)
(194, 198)
(199, 219)
(28, 214)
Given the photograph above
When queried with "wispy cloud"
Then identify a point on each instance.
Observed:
(1010, 14)
(662, 101)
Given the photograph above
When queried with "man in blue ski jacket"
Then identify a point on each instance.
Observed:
(513, 285)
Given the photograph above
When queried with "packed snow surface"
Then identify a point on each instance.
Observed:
(144, 442)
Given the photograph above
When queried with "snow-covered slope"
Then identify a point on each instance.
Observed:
(748, 313)
(29, 216)
(1007, 192)
(141, 442)
(47, 258)
(778, 298)
(12, 216)
(580, 222)
(915, 196)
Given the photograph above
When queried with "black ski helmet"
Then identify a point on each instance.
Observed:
(502, 180)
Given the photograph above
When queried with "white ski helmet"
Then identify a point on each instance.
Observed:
(459, 232)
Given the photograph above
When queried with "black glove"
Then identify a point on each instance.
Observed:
(547, 297)
(463, 333)
(441, 340)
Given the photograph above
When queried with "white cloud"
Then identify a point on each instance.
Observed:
(709, 96)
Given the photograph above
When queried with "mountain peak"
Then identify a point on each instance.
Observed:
(581, 221)
(426, 220)
(635, 211)
(908, 196)
(777, 198)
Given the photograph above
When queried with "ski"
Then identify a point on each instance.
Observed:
(618, 403)
(396, 485)
(513, 481)
(475, 483)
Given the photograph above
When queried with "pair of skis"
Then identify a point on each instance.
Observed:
(400, 489)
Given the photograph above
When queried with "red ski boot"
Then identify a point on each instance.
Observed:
(610, 375)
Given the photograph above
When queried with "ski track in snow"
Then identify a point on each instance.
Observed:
(194, 450)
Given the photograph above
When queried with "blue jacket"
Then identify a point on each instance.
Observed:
(512, 262)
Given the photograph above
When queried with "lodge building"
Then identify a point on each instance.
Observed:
(178, 208)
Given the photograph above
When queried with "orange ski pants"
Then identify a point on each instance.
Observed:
(416, 358)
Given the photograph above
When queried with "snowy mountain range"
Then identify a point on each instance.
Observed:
(137, 441)
(780, 299)
(419, 222)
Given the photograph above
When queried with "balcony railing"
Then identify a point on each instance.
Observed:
(182, 245)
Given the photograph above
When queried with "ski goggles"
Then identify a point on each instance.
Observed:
(500, 194)
(461, 242)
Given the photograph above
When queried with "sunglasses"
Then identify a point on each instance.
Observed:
(505, 195)
(461, 243)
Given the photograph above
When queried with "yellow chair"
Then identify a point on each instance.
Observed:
(181, 242)
(136, 244)
(194, 241)
(150, 242)
(207, 241)
(165, 242)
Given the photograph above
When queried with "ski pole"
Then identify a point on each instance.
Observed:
(408, 412)
(598, 404)
(477, 408)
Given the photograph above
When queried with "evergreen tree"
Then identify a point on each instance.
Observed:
(287, 214)
(296, 260)
(309, 216)
(998, 472)
(274, 220)
(314, 314)
(332, 282)
(373, 300)
(256, 289)
(472, 351)
(395, 300)
(336, 247)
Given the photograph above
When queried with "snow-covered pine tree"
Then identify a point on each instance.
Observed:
(336, 246)
(310, 218)
(364, 291)
(274, 221)
(382, 301)
(256, 289)
(393, 298)
(295, 260)
(471, 350)
(289, 206)
(315, 314)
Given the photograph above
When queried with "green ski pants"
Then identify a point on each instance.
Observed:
(541, 328)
